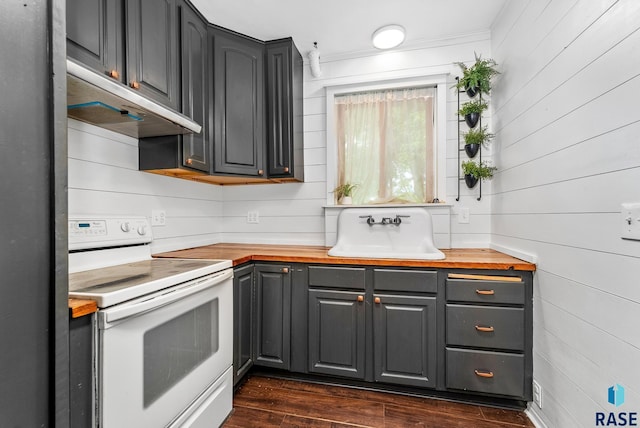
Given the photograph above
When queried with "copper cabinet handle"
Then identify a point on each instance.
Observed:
(484, 329)
(360, 298)
(376, 300)
(260, 172)
(114, 74)
(135, 85)
(286, 169)
(189, 161)
(285, 270)
(483, 373)
(486, 292)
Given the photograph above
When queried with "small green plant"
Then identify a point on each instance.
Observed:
(477, 106)
(478, 170)
(478, 136)
(478, 76)
(345, 189)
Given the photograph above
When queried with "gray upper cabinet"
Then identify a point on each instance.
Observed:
(285, 155)
(95, 35)
(152, 49)
(272, 316)
(405, 340)
(194, 50)
(238, 104)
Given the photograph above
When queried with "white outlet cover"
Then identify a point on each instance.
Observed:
(464, 215)
(537, 394)
(253, 217)
(158, 218)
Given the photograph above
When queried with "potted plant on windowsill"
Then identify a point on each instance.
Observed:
(471, 111)
(477, 78)
(474, 138)
(476, 171)
(343, 193)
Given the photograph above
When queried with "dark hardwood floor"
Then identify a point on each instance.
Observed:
(270, 402)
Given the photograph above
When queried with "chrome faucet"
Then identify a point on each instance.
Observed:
(370, 220)
(398, 219)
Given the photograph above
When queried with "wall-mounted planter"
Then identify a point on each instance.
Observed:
(470, 181)
(471, 92)
(471, 150)
(471, 119)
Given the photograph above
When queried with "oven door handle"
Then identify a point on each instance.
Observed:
(124, 311)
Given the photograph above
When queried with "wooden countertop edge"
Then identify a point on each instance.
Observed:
(80, 307)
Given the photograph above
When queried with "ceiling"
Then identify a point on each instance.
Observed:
(346, 26)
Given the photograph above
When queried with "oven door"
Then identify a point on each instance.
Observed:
(159, 353)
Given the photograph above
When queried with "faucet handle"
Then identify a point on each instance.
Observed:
(399, 218)
(370, 219)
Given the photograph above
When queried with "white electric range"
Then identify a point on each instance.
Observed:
(164, 327)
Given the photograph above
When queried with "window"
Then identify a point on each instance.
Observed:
(389, 138)
(385, 142)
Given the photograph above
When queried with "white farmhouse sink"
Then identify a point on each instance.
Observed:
(389, 233)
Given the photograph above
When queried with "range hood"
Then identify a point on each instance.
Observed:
(103, 102)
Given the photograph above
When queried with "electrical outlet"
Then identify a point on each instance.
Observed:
(537, 394)
(158, 218)
(463, 215)
(253, 217)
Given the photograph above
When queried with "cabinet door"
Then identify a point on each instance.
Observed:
(405, 340)
(152, 49)
(337, 333)
(242, 321)
(273, 319)
(284, 100)
(238, 92)
(94, 34)
(195, 89)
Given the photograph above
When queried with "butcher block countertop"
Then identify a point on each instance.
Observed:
(463, 258)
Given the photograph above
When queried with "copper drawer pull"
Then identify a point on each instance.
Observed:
(260, 172)
(360, 298)
(114, 74)
(189, 161)
(482, 373)
(135, 85)
(286, 169)
(377, 300)
(486, 292)
(484, 329)
(285, 270)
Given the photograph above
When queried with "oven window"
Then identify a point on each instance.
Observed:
(173, 349)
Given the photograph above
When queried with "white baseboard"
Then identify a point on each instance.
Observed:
(534, 418)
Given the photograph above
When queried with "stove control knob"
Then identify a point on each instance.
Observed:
(125, 227)
(142, 230)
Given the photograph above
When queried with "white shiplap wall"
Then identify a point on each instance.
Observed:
(567, 120)
(104, 179)
(293, 213)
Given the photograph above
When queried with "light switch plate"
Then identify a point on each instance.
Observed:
(631, 221)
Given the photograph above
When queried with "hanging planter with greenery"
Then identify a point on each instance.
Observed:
(471, 111)
(477, 78)
(476, 171)
(474, 138)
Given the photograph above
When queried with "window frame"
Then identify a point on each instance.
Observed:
(439, 82)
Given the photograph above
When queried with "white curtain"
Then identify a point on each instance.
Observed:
(385, 145)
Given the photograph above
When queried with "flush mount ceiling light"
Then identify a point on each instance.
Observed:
(388, 37)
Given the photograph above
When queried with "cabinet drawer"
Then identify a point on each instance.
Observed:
(417, 281)
(336, 277)
(485, 327)
(484, 371)
(464, 290)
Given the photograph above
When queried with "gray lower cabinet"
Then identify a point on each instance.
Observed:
(272, 325)
(243, 315)
(404, 329)
(489, 334)
(81, 376)
(337, 333)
